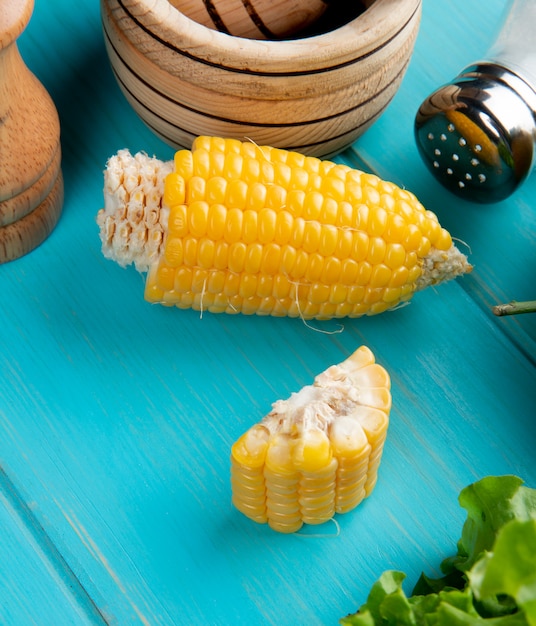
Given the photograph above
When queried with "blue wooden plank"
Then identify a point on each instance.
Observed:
(117, 417)
(139, 463)
(37, 586)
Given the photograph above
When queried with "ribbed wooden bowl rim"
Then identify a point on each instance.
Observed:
(352, 42)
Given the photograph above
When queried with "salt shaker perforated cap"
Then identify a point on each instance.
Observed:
(477, 134)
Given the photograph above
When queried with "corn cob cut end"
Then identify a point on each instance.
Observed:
(318, 452)
(440, 266)
(133, 222)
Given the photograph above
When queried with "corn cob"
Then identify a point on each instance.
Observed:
(317, 453)
(235, 227)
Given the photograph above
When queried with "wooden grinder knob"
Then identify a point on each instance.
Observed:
(31, 182)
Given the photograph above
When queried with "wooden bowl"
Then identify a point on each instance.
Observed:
(316, 94)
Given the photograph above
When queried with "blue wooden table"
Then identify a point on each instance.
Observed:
(117, 417)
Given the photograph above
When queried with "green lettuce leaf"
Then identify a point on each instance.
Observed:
(490, 503)
(490, 581)
(510, 570)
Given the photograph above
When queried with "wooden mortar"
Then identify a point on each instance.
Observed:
(315, 94)
(31, 182)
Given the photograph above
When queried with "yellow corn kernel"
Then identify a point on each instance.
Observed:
(184, 164)
(319, 451)
(317, 494)
(249, 226)
(174, 252)
(331, 272)
(268, 212)
(256, 196)
(178, 221)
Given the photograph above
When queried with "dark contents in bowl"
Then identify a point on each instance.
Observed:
(337, 14)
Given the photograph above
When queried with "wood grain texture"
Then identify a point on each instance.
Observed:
(28, 231)
(40, 586)
(31, 184)
(116, 417)
(257, 19)
(316, 94)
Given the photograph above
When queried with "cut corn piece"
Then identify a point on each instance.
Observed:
(317, 453)
(239, 228)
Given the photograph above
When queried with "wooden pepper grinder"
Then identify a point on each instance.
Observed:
(31, 182)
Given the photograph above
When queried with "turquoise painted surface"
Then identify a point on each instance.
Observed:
(117, 417)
